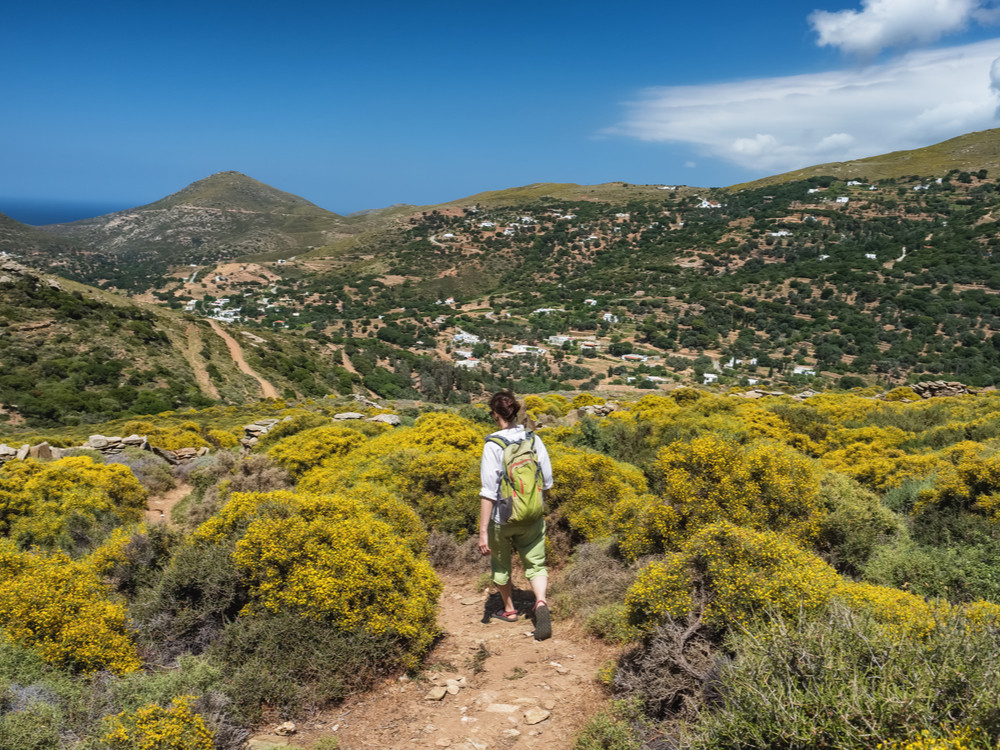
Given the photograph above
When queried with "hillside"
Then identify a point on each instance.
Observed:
(980, 150)
(216, 219)
(73, 354)
(811, 282)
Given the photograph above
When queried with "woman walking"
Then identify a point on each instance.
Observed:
(498, 538)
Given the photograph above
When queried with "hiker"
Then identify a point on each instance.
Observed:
(503, 528)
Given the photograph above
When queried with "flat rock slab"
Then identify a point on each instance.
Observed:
(535, 716)
(267, 742)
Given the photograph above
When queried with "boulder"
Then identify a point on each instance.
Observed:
(98, 442)
(348, 415)
(42, 451)
(389, 419)
(22, 452)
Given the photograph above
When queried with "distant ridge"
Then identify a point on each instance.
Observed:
(970, 152)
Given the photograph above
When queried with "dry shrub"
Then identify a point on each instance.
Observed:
(216, 479)
(668, 673)
(593, 579)
(447, 554)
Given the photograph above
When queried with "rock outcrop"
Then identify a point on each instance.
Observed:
(940, 388)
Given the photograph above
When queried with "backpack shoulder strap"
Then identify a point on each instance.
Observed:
(498, 440)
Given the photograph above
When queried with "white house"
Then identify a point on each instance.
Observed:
(709, 377)
(467, 363)
(609, 318)
(621, 216)
(634, 357)
(803, 370)
(922, 187)
(781, 233)
(705, 203)
(810, 191)
(823, 257)
(547, 310)
(465, 338)
(870, 256)
(752, 381)
(448, 236)
(853, 182)
(486, 225)
(590, 302)
(466, 353)
(843, 199)
(559, 340)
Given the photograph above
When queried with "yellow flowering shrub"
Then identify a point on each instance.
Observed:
(14, 503)
(644, 525)
(305, 450)
(437, 429)
(586, 399)
(154, 727)
(967, 478)
(873, 457)
(433, 466)
(185, 435)
(760, 485)
(960, 738)
(733, 573)
(761, 422)
(75, 490)
(222, 439)
(112, 553)
(331, 558)
(59, 608)
(902, 393)
(905, 614)
(588, 486)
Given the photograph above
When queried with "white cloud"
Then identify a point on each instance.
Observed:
(777, 124)
(891, 23)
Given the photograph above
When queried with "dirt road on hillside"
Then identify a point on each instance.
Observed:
(236, 353)
(510, 691)
(192, 353)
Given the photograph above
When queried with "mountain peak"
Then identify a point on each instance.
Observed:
(235, 190)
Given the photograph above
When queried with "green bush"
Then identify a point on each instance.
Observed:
(621, 727)
(843, 680)
(855, 523)
(296, 665)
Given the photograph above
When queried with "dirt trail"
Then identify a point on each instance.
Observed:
(159, 507)
(514, 681)
(236, 353)
(192, 353)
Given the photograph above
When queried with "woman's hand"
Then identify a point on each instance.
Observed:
(484, 543)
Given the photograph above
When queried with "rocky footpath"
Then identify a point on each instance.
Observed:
(486, 685)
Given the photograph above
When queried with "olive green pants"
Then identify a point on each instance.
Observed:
(529, 541)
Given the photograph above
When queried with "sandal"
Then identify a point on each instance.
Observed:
(508, 615)
(543, 623)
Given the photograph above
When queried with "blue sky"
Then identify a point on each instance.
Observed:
(364, 105)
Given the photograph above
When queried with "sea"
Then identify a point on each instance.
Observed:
(41, 212)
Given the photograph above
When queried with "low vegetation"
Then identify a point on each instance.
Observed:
(765, 588)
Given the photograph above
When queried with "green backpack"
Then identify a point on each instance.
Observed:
(520, 480)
